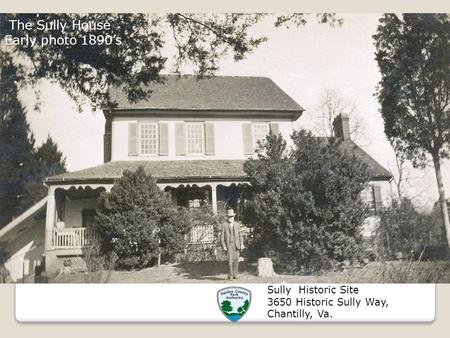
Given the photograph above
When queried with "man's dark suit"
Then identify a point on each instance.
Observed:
(232, 243)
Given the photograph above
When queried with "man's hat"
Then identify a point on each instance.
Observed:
(230, 213)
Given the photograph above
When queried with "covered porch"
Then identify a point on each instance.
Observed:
(73, 197)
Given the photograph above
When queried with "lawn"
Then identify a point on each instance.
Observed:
(215, 272)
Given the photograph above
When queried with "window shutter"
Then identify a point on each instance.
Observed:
(377, 198)
(209, 138)
(163, 139)
(274, 128)
(247, 138)
(132, 138)
(180, 139)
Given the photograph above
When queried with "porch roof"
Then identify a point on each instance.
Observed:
(195, 170)
(163, 170)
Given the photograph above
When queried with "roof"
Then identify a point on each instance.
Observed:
(214, 93)
(187, 170)
(376, 170)
(162, 170)
(18, 222)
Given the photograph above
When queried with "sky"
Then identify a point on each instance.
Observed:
(305, 62)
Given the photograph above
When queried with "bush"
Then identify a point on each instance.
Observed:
(404, 230)
(305, 210)
(198, 217)
(137, 221)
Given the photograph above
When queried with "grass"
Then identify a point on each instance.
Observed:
(215, 272)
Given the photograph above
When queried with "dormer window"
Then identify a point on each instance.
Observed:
(260, 131)
(148, 138)
(195, 138)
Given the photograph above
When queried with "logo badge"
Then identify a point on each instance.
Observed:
(234, 302)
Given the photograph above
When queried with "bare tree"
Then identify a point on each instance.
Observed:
(331, 105)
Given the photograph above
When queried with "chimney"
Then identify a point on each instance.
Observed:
(107, 139)
(341, 127)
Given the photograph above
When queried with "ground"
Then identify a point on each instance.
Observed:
(215, 272)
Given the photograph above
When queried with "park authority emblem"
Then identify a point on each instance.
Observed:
(234, 301)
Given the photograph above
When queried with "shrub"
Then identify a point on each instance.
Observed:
(203, 216)
(403, 230)
(137, 221)
(305, 210)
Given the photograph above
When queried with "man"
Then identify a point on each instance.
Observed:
(232, 243)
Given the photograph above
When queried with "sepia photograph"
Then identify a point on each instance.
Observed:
(224, 148)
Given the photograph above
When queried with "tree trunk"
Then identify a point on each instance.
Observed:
(442, 201)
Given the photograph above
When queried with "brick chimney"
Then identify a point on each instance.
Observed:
(341, 127)
(107, 139)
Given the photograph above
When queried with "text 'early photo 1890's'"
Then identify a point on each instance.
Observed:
(216, 148)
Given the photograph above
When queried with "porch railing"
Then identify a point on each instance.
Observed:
(73, 237)
(201, 234)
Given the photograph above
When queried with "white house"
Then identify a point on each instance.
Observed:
(194, 136)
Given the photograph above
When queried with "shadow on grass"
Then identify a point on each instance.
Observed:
(211, 270)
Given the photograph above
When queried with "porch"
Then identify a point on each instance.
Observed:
(71, 213)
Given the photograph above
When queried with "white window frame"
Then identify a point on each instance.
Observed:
(155, 124)
(256, 124)
(202, 152)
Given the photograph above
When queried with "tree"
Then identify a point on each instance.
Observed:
(305, 210)
(137, 221)
(331, 105)
(17, 143)
(402, 229)
(133, 57)
(23, 168)
(48, 161)
(226, 306)
(413, 55)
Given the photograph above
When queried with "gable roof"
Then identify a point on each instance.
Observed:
(376, 170)
(214, 93)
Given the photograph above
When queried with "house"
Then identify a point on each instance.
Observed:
(194, 136)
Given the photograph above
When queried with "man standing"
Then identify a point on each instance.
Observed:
(232, 243)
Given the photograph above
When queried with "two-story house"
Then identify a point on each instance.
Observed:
(194, 136)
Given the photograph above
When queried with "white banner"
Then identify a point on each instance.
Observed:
(223, 302)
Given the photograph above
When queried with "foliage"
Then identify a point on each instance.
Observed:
(98, 266)
(23, 167)
(204, 215)
(226, 306)
(413, 55)
(137, 221)
(48, 161)
(85, 71)
(243, 309)
(402, 229)
(305, 211)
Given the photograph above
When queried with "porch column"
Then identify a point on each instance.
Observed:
(50, 218)
(214, 197)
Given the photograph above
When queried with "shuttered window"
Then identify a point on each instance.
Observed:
(371, 196)
(148, 138)
(260, 131)
(195, 138)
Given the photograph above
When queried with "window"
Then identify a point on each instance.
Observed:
(148, 138)
(88, 217)
(368, 198)
(260, 131)
(195, 138)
